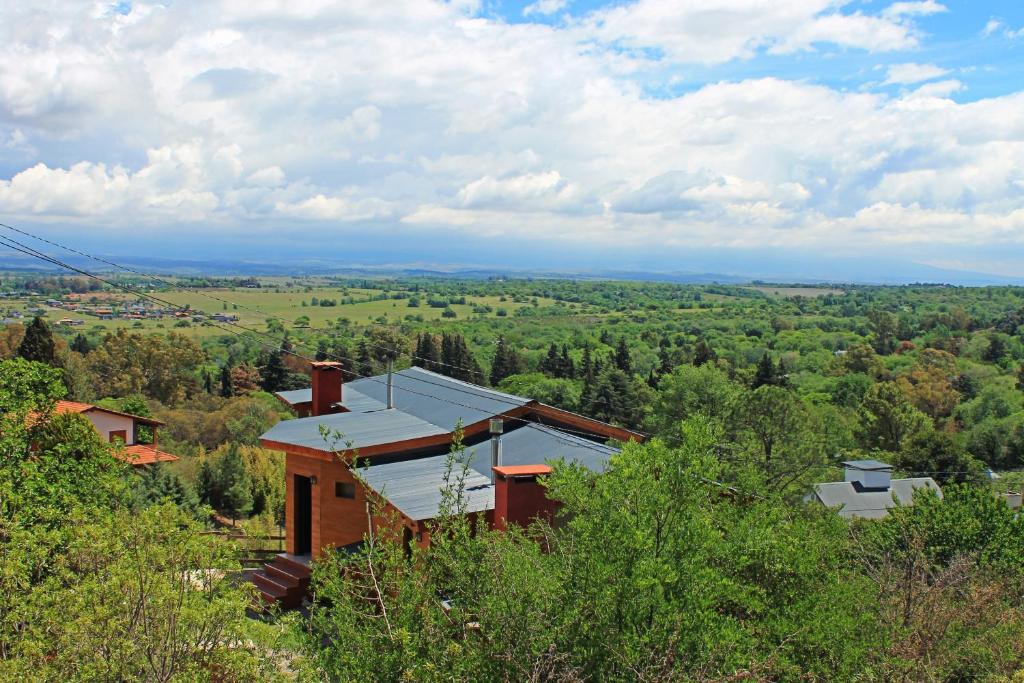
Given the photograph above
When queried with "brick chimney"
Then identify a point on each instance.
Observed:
(326, 387)
(518, 496)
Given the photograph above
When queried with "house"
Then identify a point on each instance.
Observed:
(396, 431)
(121, 427)
(869, 491)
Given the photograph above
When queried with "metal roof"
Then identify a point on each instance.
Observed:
(533, 444)
(296, 396)
(358, 402)
(359, 429)
(867, 465)
(437, 399)
(871, 504)
(415, 487)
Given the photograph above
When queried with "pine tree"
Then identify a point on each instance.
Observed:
(702, 353)
(568, 368)
(364, 360)
(207, 381)
(38, 343)
(782, 374)
(206, 485)
(226, 388)
(81, 344)
(428, 356)
(234, 484)
(274, 374)
(322, 351)
(765, 372)
(551, 365)
(623, 361)
(506, 362)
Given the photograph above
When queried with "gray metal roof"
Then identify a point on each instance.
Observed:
(296, 396)
(871, 504)
(358, 402)
(533, 444)
(415, 486)
(867, 465)
(439, 400)
(361, 429)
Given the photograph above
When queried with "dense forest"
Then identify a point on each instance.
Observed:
(694, 557)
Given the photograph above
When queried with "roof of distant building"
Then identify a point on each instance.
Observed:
(871, 504)
(867, 465)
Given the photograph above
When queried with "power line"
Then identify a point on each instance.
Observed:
(167, 283)
(18, 246)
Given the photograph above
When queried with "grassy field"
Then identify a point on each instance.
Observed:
(809, 292)
(255, 306)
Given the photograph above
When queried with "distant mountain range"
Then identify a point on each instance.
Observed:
(849, 271)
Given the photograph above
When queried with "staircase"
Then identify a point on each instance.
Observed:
(283, 582)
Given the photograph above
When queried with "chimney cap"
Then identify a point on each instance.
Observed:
(497, 426)
(867, 465)
(326, 364)
(522, 470)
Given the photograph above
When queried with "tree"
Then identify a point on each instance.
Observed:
(623, 360)
(226, 385)
(551, 364)
(688, 392)
(233, 483)
(80, 344)
(996, 349)
(888, 417)
(38, 344)
(765, 373)
(703, 353)
(274, 374)
(884, 326)
(506, 362)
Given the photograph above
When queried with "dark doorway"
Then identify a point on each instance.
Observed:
(303, 520)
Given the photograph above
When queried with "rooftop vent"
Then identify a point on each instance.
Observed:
(868, 475)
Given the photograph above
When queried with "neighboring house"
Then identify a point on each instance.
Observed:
(399, 433)
(121, 427)
(869, 491)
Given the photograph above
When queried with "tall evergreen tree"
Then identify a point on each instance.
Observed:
(507, 362)
(765, 372)
(364, 360)
(81, 344)
(568, 368)
(207, 381)
(551, 364)
(227, 390)
(38, 343)
(274, 374)
(234, 484)
(623, 361)
(702, 353)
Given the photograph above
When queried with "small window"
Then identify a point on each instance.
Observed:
(344, 490)
(120, 435)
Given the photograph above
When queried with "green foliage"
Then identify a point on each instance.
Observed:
(37, 344)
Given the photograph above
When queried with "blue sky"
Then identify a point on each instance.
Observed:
(799, 138)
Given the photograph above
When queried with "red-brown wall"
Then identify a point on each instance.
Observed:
(335, 521)
(519, 498)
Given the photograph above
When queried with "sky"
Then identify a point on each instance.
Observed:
(832, 139)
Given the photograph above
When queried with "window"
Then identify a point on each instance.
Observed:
(344, 490)
(118, 435)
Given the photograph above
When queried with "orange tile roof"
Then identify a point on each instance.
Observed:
(76, 407)
(143, 454)
(72, 407)
(522, 470)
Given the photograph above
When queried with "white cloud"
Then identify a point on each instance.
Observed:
(910, 9)
(716, 32)
(910, 72)
(230, 116)
(991, 27)
(544, 7)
